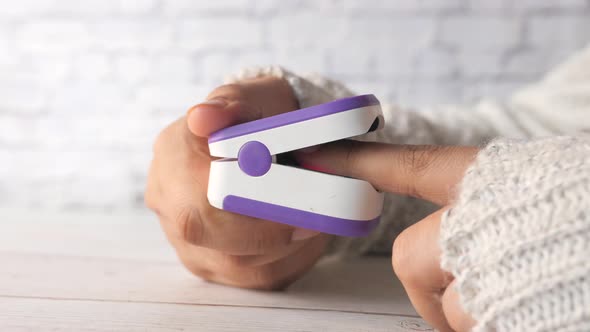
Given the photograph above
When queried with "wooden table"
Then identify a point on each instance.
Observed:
(115, 272)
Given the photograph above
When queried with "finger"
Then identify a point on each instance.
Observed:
(232, 234)
(214, 266)
(458, 319)
(182, 202)
(416, 262)
(243, 260)
(218, 113)
(248, 100)
(428, 172)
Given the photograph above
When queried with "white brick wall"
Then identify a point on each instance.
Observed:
(86, 85)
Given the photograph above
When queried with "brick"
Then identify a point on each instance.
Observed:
(89, 96)
(480, 33)
(479, 64)
(92, 67)
(424, 63)
(274, 7)
(397, 63)
(435, 63)
(353, 62)
(137, 6)
(386, 35)
(170, 98)
(129, 35)
(482, 6)
(22, 97)
(529, 6)
(86, 86)
(380, 88)
(220, 33)
(9, 60)
(52, 35)
(132, 68)
(388, 7)
(69, 8)
(8, 39)
(569, 32)
(302, 61)
(25, 8)
(191, 7)
(61, 180)
(75, 8)
(174, 68)
(216, 66)
(424, 94)
(532, 63)
(307, 31)
(13, 131)
(48, 71)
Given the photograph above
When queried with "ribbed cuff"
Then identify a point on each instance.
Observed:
(518, 237)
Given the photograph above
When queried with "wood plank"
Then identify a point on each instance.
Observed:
(92, 259)
(17, 314)
(120, 235)
(365, 285)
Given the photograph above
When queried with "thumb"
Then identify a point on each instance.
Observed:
(215, 114)
(423, 171)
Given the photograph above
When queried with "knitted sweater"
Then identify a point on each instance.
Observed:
(518, 236)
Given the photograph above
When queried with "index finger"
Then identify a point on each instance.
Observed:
(424, 171)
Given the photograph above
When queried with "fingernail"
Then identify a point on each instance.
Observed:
(300, 234)
(215, 102)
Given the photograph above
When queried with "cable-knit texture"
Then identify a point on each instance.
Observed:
(517, 239)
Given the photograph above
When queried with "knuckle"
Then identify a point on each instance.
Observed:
(417, 160)
(401, 257)
(416, 163)
(230, 91)
(209, 212)
(352, 156)
(232, 262)
(190, 226)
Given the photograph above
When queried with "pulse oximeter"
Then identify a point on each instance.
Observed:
(250, 179)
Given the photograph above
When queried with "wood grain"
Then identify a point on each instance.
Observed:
(116, 272)
(51, 315)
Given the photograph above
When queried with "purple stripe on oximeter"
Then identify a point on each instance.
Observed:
(303, 114)
(299, 218)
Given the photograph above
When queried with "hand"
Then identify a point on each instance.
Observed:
(426, 172)
(214, 244)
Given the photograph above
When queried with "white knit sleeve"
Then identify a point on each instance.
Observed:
(517, 239)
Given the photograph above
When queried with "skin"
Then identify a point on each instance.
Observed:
(213, 244)
(251, 253)
(427, 172)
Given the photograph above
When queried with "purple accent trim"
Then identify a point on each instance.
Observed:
(254, 158)
(299, 218)
(303, 114)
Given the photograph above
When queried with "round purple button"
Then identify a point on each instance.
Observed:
(254, 158)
